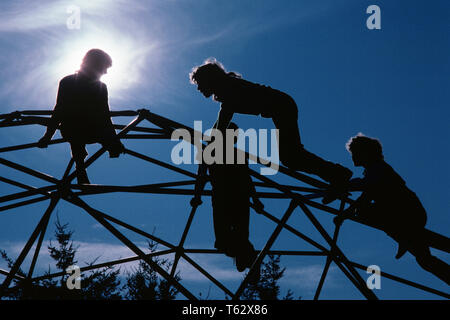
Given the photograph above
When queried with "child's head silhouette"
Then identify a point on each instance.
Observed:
(211, 77)
(364, 150)
(95, 63)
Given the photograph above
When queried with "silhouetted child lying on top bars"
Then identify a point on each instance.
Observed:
(388, 204)
(82, 111)
(237, 95)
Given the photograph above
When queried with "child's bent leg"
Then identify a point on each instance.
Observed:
(79, 154)
(111, 142)
(245, 254)
(432, 264)
(222, 226)
(241, 219)
(289, 142)
(114, 147)
(295, 156)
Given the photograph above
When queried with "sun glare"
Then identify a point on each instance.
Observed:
(125, 67)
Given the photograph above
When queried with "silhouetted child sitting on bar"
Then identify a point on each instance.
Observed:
(82, 112)
(232, 188)
(388, 204)
(237, 95)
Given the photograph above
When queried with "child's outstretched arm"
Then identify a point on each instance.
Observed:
(199, 185)
(106, 110)
(352, 210)
(223, 120)
(56, 117)
(256, 202)
(357, 184)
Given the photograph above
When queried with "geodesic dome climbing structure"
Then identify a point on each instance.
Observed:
(147, 127)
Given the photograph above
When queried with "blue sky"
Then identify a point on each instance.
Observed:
(391, 84)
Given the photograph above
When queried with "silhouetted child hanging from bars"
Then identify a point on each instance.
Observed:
(82, 112)
(237, 95)
(388, 204)
(232, 188)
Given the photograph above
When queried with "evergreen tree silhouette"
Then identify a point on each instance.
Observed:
(267, 287)
(98, 284)
(145, 284)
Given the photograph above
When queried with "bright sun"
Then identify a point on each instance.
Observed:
(126, 60)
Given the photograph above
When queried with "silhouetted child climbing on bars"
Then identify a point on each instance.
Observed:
(82, 111)
(232, 188)
(388, 204)
(241, 96)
